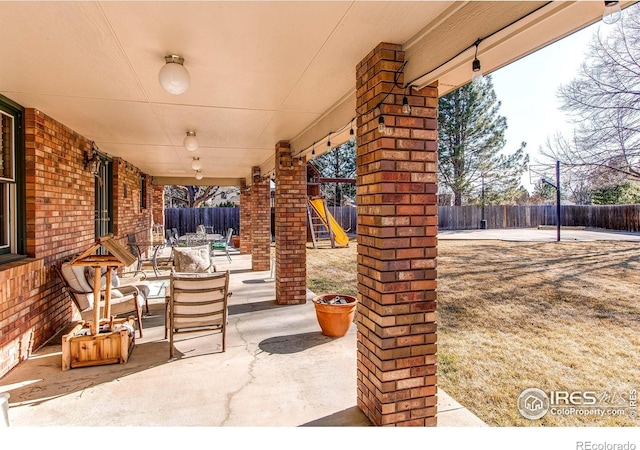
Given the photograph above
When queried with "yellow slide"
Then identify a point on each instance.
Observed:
(339, 235)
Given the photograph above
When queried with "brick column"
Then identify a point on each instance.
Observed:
(397, 246)
(291, 226)
(245, 218)
(260, 222)
(157, 204)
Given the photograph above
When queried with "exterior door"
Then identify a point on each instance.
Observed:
(104, 199)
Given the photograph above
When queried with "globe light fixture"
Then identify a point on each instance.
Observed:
(174, 77)
(199, 175)
(191, 141)
(196, 164)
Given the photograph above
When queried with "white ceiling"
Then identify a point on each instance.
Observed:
(260, 71)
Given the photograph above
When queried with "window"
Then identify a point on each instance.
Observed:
(11, 182)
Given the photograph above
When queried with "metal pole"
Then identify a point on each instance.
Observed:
(558, 199)
(483, 222)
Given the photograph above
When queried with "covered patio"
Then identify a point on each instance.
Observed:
(271, 84)
(278, 370)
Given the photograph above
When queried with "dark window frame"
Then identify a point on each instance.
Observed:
(17, 249)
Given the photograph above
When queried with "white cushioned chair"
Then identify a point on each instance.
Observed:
(125, 299)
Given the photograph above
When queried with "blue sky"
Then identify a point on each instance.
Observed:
(527, 89)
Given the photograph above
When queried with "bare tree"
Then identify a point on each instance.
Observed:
(194, 196)
(604, 103)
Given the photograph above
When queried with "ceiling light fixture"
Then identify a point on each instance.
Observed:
(174, 77)
(313, 150)
(612, 12)
(196, 164)
(198, 175)
(191, 141)
(477, 71)
(329, 141)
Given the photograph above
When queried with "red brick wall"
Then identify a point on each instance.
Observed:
(60, 223)
(129, 215)
(397, 238)
(260, 222)
(60, 199)
(245, 218)
(291, 226)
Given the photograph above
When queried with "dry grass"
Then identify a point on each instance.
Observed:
(514, 315)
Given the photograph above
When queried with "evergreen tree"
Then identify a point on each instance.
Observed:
(471, 138)
(339, 162)
(623, 194)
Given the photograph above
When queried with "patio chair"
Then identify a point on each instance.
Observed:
(124, 299)
(225, 244)
(197, 302)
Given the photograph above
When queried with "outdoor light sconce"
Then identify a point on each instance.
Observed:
(174, 77)
(191, 141)
(92, 164)
(612, 12)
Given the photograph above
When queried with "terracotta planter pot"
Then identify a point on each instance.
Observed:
(335, 320)
(236, 241)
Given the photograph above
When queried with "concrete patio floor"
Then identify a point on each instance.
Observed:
(278, 371)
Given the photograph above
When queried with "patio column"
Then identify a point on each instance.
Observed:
(397, 245)
(157, 204)
(291, 226)
(245, 218)
(260, 221)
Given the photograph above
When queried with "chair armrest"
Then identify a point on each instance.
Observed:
(126, 290)
(134, 274)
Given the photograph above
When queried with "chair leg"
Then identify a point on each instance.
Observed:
(227, 252)
(170, 343)
(139, 315)
(224, 335)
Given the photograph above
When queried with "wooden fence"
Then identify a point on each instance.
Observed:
(221, 219)
(186, 220)
(612, 217)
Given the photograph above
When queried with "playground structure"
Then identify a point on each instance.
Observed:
(319, 220)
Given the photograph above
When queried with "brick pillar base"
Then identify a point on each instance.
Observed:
(397, 238)
(291, 226)
(260, 222)
(245, 218)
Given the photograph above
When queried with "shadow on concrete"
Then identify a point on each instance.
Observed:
(47, 381)
(259, 280)
(253, 307)
(351, 417)
(293, 343)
